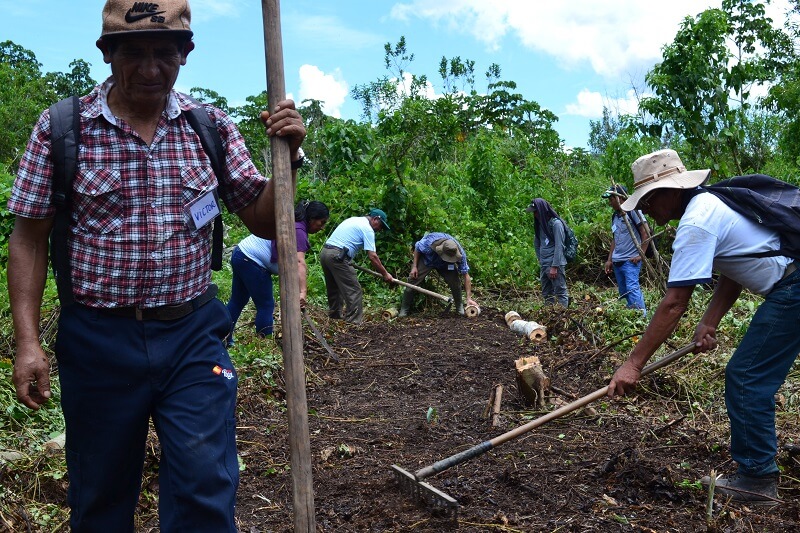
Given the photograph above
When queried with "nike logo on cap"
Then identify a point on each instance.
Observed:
(130, 17)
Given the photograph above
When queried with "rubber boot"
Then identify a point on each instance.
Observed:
(405, 305)
(458, 302)
(751, 490)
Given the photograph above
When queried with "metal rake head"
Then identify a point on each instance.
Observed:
(421, 491)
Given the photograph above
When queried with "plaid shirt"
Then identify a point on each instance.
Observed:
(131, 240)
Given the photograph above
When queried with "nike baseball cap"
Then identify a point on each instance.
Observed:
(126, 17)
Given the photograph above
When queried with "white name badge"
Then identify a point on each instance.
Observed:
(451, 266)
(203, 210)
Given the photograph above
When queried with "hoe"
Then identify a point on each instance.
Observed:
(413, 484)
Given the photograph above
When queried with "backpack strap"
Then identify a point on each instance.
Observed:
(64, 139)
(205, 128)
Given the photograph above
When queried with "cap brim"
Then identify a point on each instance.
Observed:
(530, 209)
(686, 180)
(188, 34)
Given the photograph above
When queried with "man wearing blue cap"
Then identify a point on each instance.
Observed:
(623, 258)
(341, 281)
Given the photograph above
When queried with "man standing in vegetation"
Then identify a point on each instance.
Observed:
(341, 281)
(623, 258)
(712, 236)
(143, 337)
(443, 253)
(549, 243)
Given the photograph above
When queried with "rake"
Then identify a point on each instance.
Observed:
(414, 486)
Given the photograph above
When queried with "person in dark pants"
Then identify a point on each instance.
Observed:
(444, 254)
(712, 236)
(345, 296)
(255, 260)
(143, 336)
(549, 244)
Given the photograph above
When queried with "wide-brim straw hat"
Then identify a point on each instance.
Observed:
(447, 249)
(661, 170)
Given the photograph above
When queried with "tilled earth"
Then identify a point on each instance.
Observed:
(413, 391)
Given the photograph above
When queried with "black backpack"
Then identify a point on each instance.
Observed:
(65, 138)
(767, 201)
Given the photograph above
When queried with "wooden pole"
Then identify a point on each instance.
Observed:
(442, 297)
(293, 367)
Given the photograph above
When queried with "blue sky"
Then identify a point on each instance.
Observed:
(571, 56)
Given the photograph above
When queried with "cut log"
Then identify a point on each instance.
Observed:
(533, 330)
(389, 314)
(532, 383)
(471, 311)
(511, 316)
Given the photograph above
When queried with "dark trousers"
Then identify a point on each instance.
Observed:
(344, 290)
(116, 374)
(451, 277)
(756, 371)
(251, 280)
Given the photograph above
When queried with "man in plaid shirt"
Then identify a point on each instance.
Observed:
(143, 338)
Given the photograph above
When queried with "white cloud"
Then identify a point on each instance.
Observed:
(613, 36)
(331, 89)
(590, 104)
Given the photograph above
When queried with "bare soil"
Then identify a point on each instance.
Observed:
(413, 391)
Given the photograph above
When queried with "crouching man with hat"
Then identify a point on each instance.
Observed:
(444, 254)
(140, 335)
(713, 237)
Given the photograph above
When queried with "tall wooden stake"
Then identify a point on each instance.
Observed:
(291, 324)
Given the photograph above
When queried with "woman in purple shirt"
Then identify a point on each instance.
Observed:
(255, 260)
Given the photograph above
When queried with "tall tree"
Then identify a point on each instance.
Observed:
(703, 85)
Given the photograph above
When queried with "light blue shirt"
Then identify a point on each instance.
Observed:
(354, 234)
(624, 248)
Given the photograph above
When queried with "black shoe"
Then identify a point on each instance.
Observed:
(751, 490)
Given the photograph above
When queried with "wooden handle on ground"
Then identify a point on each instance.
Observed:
(442, 297)
(485, 446)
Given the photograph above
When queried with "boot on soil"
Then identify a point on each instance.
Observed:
(405, 305)
(458, 302)
(740, 488)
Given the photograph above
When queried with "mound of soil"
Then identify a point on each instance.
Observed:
(413, 391)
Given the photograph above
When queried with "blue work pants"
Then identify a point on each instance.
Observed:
(756, 371)
(627, 274)
(117, 373)
(251, 280)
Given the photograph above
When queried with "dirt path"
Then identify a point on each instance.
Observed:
(413, 391)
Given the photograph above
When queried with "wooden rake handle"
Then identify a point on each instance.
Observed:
(485, 446)
(442, 297)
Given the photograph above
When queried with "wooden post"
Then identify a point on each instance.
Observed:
(294, 369)
(498, 398)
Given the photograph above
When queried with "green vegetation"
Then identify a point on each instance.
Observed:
(468, 163)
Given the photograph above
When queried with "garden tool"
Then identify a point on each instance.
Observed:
(447, 299)
(414, 485)
(319, 336)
